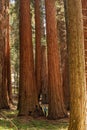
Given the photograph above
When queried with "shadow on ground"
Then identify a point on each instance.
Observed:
(14, 123)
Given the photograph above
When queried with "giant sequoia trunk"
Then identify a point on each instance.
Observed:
(56, 104)
(44, 75)
(76, 65)
(66, 89)
(64, 57)
(4, 100)
(84, 10)
(38, 46)
(28, 99)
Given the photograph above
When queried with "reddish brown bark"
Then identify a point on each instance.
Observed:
(4, 74)
(4, 100)
(28, 99)
(56, 104)
(38, 46)
(66, 89)
(65, 74)
(44, 75)
(65, 71)
(4, 91)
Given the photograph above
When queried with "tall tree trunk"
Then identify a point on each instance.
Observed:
(56, 104)
(1, 69)
(76, 64)
(84, 10)
(66, 87)
(4, 100)
(44, 75)
(28, 99)
(38, 46)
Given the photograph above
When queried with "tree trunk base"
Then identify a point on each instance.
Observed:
(38, 112)
(50, 117)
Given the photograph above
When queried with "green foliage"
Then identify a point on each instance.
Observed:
(43, 22)
(29, 123)
(14, 39)
(61, 21)
(33, 125)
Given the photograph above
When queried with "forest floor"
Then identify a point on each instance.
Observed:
(10, 121)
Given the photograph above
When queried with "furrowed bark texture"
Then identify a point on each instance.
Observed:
(28, 99)
(56, 103)
(38, 46)
(76, 65)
